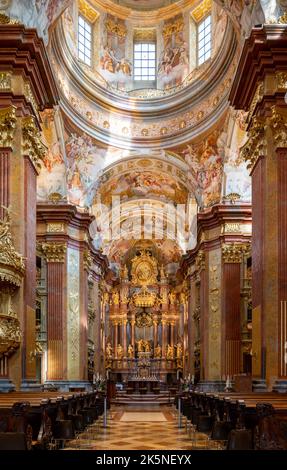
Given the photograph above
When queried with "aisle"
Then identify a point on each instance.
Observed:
(144, 427)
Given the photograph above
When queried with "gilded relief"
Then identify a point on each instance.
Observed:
(215, 314)
(73, 314)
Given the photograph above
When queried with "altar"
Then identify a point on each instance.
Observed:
(149, 385)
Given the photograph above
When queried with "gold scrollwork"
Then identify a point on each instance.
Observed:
(119, 29)
(5, 81)
(255, 146)
(54, 252)
(200, 261)
(32, 143)
(233, 252)
(12, 267)
(278, 125)
(88, 260)
(144, 269)
(7, 126)
(173, 28)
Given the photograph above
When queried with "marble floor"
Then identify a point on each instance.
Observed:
(142, 427)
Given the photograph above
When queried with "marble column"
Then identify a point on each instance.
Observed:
(155, 334)
(265, 152)
(133, 334)
(116, 329)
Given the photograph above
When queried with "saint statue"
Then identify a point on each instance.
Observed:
(140, 345)
(147, 346)
(179, 350)
(120, 352)
(169, 352)
(130, 351)
(157, 352)
(116, 297)
(109, 351)
(172, 297)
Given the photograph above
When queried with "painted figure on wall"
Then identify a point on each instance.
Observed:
(114, 66)
(173, 65)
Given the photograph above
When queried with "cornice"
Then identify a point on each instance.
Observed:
(217, 217)
(63, 213)
(264, 52)
(23, 51)
(146, 17)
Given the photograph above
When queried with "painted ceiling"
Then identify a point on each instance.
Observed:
(144, 4)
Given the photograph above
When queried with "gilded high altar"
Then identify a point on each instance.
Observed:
(144, 317)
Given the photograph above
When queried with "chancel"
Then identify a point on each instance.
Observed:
(143, 193)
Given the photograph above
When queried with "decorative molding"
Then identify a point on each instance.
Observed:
(87, 11)
(7, 126)
(278, 125)
(54, 252)
(55, 227)
(5, 81)
(201, 10)
(255, 146)
(32, 144)
(10, 335)
(233, 252)
(12, 266)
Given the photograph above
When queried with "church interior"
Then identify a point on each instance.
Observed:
(143, 255)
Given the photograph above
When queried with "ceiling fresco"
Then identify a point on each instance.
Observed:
(143, 184)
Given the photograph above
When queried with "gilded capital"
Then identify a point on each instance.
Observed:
(7, 126)
(32, 144)
(54, 252)
(255, 146)
(233, 252)
(278, 125)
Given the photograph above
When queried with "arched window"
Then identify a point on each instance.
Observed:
(84, 41)
(204, 40)
(144, 61)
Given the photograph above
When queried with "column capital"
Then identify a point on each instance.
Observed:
(32, 144)
(255, 146)
(54, 252)
(8, 122)
(233, 252)
(278, 126)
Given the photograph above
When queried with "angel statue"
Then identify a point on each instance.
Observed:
(130, 351)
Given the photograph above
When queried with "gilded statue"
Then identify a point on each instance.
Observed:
(130, 351)
(179, 350)
(172, 297)
(147, 346)
(169, 352)
(120, 351)
(157, 352)
(140, 345)
(109, 351)
(116, 297)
